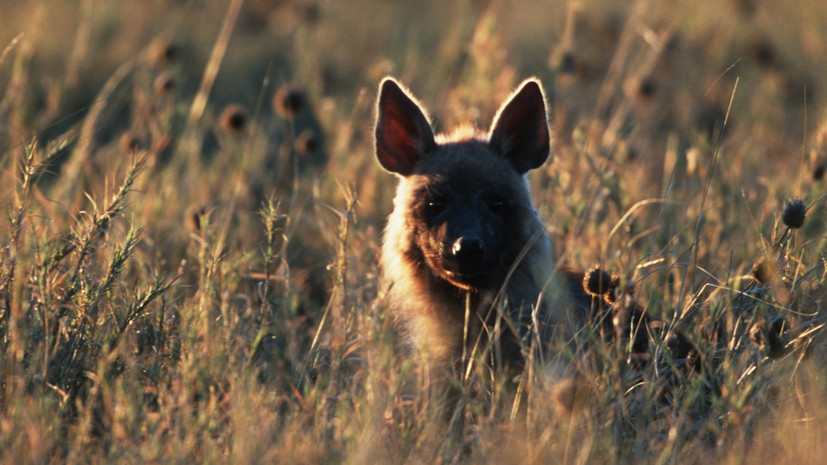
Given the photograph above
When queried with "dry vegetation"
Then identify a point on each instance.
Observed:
(188, 265)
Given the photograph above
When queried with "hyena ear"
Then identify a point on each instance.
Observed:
(520, 129)
(403, 133)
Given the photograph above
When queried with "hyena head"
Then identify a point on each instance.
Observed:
(462, 211)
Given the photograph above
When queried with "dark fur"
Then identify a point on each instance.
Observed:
(465, 258)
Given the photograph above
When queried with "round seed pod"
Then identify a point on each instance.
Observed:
(598, 282)
(794, 214)
(307, 142)
(289, 101)
(164, 84)
(233, 119)
(129, 142)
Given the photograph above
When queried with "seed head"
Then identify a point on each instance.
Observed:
(746, 7)
(647, 87)
(683, 352)
(129, 142)
(769, 337)
(311, 13)
(233, 118)
(307, 142)
(164, 84)
(566, 63)
(763, 53)
(570, 63)
(794, 214)
(161, 52)
(289, 101)
(599, 283)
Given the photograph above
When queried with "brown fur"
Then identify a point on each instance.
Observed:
(465, 259)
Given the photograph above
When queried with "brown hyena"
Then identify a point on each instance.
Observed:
(467, 266)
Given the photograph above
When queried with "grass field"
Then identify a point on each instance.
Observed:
(188, 271)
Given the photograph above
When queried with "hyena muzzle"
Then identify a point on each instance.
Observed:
(466, 263)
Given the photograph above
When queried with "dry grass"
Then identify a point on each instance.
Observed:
(189, 255)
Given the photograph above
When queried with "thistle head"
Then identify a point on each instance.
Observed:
(794, 214)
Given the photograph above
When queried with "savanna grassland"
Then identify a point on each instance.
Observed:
(193, 214)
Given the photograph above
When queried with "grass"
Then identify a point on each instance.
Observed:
(194, 213)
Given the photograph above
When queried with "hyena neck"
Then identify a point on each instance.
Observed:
(446, 322)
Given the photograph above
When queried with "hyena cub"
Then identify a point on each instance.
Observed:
(467, 265)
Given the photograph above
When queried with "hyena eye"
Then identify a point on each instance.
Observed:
(435, 207)
(496, 205)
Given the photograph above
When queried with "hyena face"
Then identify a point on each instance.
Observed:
(463, 200)
(462, 214)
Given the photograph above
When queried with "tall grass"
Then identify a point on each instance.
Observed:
(189, 255)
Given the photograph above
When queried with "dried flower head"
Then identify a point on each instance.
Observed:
(161, 52)
(794, 214)
(769, 336)
(566, 62)
(746, 8)
(684, 354)
(642, 89)
(233, 118)
(600, 283)
(311, 13)
(289, 101)
(818, 171)
(307, 142)
(647, 87)
(569, 63)
(129, 142)
(763, 53)
(164, 84)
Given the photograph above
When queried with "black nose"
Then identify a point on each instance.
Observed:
(468, 250)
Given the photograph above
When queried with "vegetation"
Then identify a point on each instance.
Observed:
(189, 257)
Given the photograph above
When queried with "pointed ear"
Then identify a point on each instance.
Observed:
(403, 133)
(520, 129)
